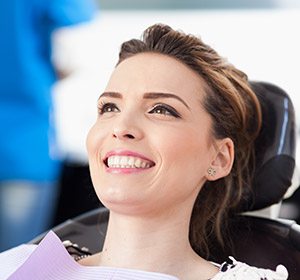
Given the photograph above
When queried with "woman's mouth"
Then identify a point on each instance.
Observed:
(126, 161)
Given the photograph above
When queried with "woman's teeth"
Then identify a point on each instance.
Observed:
(127, 162)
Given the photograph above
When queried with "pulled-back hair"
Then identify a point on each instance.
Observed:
(235, 112)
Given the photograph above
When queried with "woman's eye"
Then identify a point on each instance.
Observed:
(107, 108)
(163, 109)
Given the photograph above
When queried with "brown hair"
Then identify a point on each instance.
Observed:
(236, 114)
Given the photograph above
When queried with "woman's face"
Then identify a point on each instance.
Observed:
(151, 145)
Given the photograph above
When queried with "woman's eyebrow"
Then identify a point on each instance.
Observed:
(147, 95)
(156, 95)
(111, 94)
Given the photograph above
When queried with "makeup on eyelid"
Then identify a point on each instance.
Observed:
(160, 108)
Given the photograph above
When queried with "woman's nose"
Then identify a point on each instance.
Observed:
(127, 131)
(123, 134)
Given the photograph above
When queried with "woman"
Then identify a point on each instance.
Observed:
(170, 155)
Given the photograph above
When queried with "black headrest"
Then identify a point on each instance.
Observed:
(275, 148)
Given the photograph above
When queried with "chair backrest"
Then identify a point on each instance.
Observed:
(264, 242)
(267, 242)
(88, 230)
(275, 148)
(257, 241)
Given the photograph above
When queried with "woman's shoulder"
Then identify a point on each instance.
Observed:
(235, 270)
(12, 259)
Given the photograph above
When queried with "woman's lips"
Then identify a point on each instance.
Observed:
(126, 162)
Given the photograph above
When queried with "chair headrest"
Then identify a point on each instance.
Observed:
(275, 148)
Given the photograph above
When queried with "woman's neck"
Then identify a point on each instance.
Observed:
(151, 244)
(134, 241)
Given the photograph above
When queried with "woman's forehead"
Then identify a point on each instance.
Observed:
(152, 72)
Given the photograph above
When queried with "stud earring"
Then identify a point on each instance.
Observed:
(211, 171)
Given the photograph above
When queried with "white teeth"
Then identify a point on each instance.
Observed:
(123, 161)
(127, 162)
(138, 163)
(130, 161)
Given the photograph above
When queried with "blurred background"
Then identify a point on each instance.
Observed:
(257, 36)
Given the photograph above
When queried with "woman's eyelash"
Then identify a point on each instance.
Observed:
(164, 109)
(107, 108)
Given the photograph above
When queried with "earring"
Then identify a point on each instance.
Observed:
(211, 171)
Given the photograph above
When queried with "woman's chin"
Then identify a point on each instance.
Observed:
(122, 202)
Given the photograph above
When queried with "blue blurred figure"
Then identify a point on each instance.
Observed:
(29, 161)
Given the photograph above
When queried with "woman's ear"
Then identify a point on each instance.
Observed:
(223, 160)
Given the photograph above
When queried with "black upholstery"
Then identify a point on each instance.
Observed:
(87, 230)
(266, 243)
(275, 148)
(257, 241)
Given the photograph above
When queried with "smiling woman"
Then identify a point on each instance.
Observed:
(218, 110)
(171, 156)
(140, 122)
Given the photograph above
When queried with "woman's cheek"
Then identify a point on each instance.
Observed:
(94, 139)
(89, 139)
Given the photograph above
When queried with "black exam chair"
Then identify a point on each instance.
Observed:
(261, 242)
